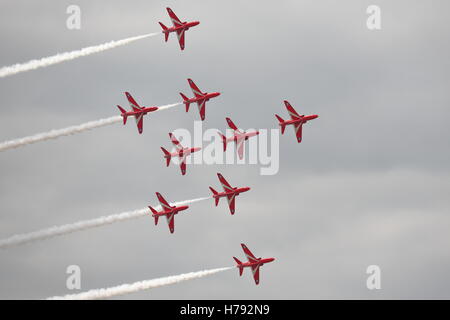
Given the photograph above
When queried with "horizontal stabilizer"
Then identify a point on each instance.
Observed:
(241, 268)
(282, 125)
(216, 199)
(186, 101)
(123, 114)
(167, 155)
(166, 34)
(224, 141)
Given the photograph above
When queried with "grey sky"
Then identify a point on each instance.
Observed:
(369, 184)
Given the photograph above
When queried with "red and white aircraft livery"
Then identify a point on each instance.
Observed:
(296, 120)
(179, 27)
(239, 137)
(200, 98)
(167, 211)
(181, 152)
(253, 263)
(229, 192)
(137, 111)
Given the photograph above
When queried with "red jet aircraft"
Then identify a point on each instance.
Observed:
(238, 137)
(181, 152)
(178, 27)
(253, 263)
(200, 98)
(167, 211)
(138, 112)
(229, 192)
(296, 120)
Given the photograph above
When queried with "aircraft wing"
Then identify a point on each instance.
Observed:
(226, 186)
(255, 271)
(231, 202)
(291, 111)
(180, 35)
(171, 222)
(201, 109)
(232, 125)
(195, 90)
(248, 253)
(175, 142)
(163, 202)
(140, 122)
(298, 131)
(176, 22)
(183, 165)
(240, 147)
(133, 104)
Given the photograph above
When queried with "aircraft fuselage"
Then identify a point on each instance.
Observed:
(205, 97)
(185, 26)
(182, 152)
(303, 119)
(235, 192)
(258, 263)
(174, 210)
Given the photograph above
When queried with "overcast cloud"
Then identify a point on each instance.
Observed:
(368, 185)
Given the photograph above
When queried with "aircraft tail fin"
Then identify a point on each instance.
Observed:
(224, 141)
(123, 113)
(166, 34)
(154, 215)
(167, 156)
(216, 199)
(186, 101)
(283, 126)
(241, 268)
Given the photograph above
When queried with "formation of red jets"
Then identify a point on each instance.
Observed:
(239, 137)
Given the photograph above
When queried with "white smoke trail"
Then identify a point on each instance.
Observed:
(168, 106)
(51, 232)
(53, 134)
(61, 57)
(138, 286)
